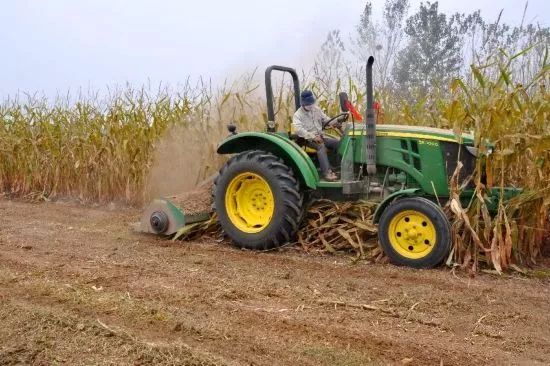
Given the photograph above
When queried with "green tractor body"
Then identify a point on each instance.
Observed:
(261, 193)
(410, 161)
(422, 159)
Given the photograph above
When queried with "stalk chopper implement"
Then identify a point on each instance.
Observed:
(261, 193)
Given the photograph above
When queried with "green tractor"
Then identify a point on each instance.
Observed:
(261, 193)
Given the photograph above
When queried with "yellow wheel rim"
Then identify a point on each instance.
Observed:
(412, 234)
(249, 202)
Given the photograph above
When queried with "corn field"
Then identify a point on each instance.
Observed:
(106, 150)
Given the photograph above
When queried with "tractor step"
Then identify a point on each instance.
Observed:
(353, 187)
(328, 184)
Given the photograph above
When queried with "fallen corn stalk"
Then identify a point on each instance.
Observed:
(327, 227)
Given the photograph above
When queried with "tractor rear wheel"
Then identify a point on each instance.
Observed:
(258, 200)
(415, 232)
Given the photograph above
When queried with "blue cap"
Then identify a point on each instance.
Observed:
(307, 98)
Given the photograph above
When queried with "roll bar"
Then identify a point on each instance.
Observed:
(269, 93)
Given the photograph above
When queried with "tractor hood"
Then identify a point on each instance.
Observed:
(419, 132)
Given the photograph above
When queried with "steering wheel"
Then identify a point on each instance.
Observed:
(333, 118)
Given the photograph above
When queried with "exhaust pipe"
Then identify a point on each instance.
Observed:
(370, 118)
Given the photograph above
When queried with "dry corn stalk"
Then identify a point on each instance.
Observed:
(327, 227)
(340, 226)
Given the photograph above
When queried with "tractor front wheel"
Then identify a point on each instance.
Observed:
(415, 232)
(258, 200)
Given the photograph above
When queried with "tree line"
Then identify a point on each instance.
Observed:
(424, 48)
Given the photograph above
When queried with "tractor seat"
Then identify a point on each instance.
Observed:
(300, 141)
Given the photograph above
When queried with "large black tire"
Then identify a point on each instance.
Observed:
(415, 232)
(288, 200)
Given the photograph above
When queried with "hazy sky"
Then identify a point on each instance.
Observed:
(56, 45)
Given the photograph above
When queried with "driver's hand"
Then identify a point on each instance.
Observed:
(343, 118)
(318, 139)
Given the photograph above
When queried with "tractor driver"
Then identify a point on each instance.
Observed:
(308, 123)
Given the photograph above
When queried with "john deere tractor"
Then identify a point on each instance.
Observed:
(261, 193)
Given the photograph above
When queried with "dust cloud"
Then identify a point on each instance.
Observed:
(183, 158)
(186, 155)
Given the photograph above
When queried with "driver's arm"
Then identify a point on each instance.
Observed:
(323, 117)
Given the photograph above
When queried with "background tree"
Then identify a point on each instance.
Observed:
(382, 40)
(423, 52)
(330, 65)
(493, 42)
(433, 54)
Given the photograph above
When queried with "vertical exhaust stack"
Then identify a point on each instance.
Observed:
(370, 118)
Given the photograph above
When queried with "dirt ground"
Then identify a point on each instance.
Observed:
(77, 286)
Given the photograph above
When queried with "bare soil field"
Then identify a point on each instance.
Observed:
(77, 286)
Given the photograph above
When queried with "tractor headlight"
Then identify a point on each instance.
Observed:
(472, 150)
(475, 151)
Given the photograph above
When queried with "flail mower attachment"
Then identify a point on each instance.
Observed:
(165, 217)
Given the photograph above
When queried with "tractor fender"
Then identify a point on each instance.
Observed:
(280, 146)
(392, 197)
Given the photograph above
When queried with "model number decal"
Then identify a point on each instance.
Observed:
(428, 142)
